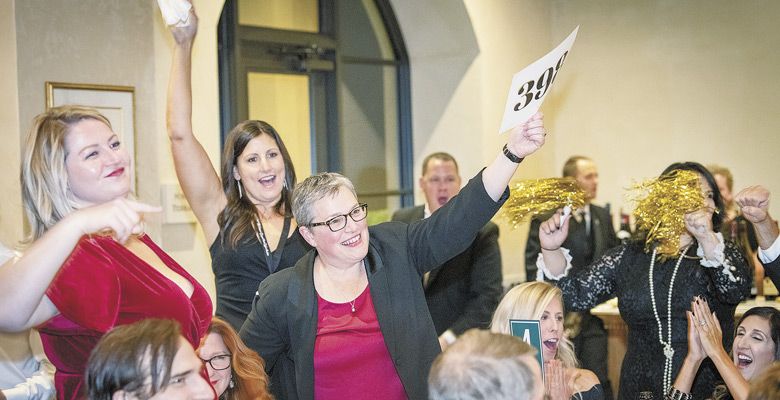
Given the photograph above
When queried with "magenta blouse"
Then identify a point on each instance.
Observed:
(351, 360)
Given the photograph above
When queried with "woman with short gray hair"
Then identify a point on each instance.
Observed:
(350, 320)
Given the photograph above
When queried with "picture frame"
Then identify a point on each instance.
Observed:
(116, 103)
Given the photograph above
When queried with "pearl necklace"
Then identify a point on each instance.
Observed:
(668, 349)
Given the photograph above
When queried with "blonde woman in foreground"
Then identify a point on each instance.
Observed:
(544, 302)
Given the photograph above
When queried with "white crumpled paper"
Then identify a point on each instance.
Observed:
(175, 12)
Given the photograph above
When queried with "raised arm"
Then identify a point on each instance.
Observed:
(754, 202)
(451, 228)
(23, 281)
(523, 141)
(690, 367)
(197, 177)
(552, 234)
(711, 337)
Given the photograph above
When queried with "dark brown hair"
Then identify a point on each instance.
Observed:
(125, 356)
(237, 219)
(772, 315)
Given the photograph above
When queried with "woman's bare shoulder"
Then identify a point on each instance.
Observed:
(585, 379)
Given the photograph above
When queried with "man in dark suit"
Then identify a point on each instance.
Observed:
(463, 292)
(754, 202)
(591, 234)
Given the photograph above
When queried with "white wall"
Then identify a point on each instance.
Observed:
(117, 43)
(11, 219)
(648, 83)
(463, 56)
(652, 82)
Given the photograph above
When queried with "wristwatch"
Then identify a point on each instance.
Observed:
(513, 158)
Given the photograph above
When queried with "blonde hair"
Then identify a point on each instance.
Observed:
(528, 301)
(44, 179)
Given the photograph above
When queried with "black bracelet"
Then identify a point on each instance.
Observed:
(513, 158)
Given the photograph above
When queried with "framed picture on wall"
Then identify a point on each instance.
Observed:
(117, 103)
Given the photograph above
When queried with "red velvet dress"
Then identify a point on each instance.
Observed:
(103, 285)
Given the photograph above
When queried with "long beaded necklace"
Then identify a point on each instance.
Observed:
(272, 260)
(668, 349)
(260, 234)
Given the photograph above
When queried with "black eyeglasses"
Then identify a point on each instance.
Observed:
(338, 222)
(219, 362)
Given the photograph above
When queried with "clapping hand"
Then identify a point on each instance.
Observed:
(708, 327)
(695, 349)
(556, 381)
(527, 138)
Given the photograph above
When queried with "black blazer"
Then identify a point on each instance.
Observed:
(283, 322)
(583, 249)
(463, 292)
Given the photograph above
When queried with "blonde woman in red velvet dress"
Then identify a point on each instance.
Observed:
(89, 267)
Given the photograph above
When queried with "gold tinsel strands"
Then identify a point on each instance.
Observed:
(661, 205)
(533, 197)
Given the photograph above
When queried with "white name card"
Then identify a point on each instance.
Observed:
(531, 85)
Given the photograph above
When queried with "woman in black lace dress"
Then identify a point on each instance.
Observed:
(654, 295)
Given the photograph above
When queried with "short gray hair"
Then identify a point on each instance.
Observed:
(313, 189)
(483, 365)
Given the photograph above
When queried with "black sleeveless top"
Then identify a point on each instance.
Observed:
(238, 272)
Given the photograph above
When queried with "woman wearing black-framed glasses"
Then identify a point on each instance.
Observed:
(350, 320)
(235, 371)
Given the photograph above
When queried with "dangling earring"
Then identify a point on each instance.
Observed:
(284, 184)
(240, 192)
(231, 384)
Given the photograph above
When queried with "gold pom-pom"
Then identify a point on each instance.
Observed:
(661, 205)
(533, 197)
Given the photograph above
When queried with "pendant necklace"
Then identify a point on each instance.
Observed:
(357, 289)
(667, 344)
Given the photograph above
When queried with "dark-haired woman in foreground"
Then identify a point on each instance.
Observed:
(756, 347)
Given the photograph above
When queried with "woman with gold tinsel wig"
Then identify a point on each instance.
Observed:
(676, 254)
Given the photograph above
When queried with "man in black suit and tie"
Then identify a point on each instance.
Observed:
(463, 292)
(591, 234)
